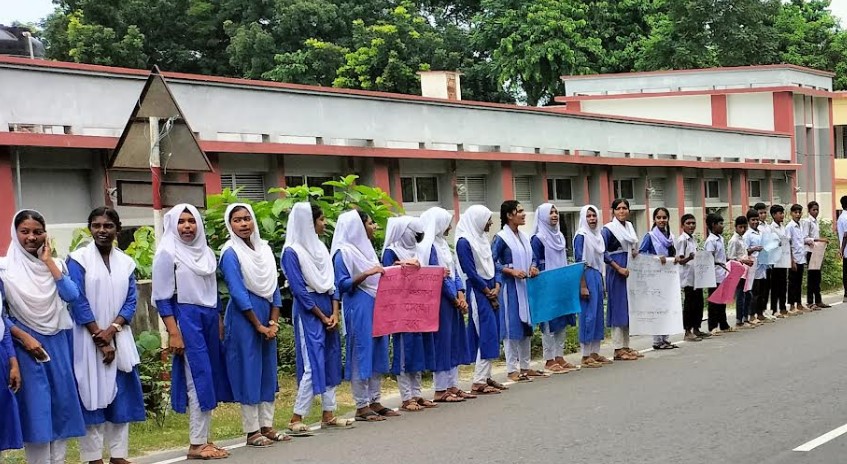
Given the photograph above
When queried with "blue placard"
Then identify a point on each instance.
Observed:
(554, 293)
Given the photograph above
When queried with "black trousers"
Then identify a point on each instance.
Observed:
(760, 297)
(717, 314)
(779, 283)
(692, 308)
(795, 285)
(813, 284)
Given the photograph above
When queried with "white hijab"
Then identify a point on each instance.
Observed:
(435, 222)
(401, 236)
(184, 269)
(522, 261)
(471, 227)
(31, 289)
(624, 232)
(106, 290)
(555, 253)
(357, 251)
(593, 245)
(315, 263)
(258, 265)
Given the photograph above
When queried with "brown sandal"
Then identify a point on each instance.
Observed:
(634, 352)
(447, 397)
(496, 384)
(519, 377)
(557, 368)
(462, 394)
(591, 363)
(426, 403)
(411, 406)
(624, 355)
(601, 359)
(535, 373)
(484, 389)
(208, 452)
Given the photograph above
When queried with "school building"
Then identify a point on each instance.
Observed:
(839, 121)
(692, 141)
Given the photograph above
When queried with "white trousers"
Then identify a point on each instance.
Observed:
(591, 347)
(445, 380)
(199, 421)
(366, 391)
(115, 435)
(620, 337)
(256, 416)
(46, 453)
(518, 354)
(482, 371)
(659, 339)
(409, 384)
(553, 343)
(305, 391)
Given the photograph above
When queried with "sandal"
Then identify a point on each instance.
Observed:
(223, 450)
(258, 440)
(209, 451)
(338, 423)
(483, 389)
(519, 377)
(383, 411)
(426, 403)
(297, 429)
(624, 355)
(634, 352)
(463, 394)
(535, 373)
(493, 383)
(568, 365)
(601, 359)
(411, 406)
(557, 369)
(369, 416)
(591, 363)
(664, 346)
(447, 397)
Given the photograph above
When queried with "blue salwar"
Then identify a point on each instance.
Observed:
(484, 326)
(616, 283)
(591, 318)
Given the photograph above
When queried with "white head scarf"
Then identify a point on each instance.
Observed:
(624, 232)
(593, 245)
(315, 263)
(471, 227)
(435, 222)
(258, 265)
(106, 290)
(400, 236)
(555, 254)
(184, 269)
(521, 260)
(357, 251)
(31, 289)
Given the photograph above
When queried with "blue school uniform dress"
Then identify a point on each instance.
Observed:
(323, 347)
(251, 360)
(48, 398)
(451, 339)
(128, 405)
(511, 326)
(591, 317)
(560, 322)
(616, 283)
(484, 327)
(10, 422)
(411, 352)
(368, 352)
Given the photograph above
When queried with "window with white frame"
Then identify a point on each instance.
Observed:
(522, 186)
(419, 189)
(690, 192)
(560, 189)
(310, 181)
(251, 184)
(471, 189)
(624, 188)
(713, 189)
(754, 189)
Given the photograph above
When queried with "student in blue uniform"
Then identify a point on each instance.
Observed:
(620, 239)
(413, 353)
(451, 343)
(357, 272)
(589, 247)
(249, 269)
(36, 287)
(660, 241)
(549, 250)
(514, 263)
(185, 292)
(473, 249)
(306, 264)
(10, 375)
(105, 357)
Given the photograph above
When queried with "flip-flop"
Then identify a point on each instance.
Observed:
(387, 412)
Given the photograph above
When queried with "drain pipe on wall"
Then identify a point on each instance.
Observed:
(19, 196)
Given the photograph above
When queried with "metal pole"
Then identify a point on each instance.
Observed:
(29, 44)
(20, 198)
(156, 171)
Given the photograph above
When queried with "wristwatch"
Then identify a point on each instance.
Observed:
(117, 326)
(271, 323)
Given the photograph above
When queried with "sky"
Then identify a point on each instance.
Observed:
(34, 10)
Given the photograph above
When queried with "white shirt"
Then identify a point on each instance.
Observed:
(798, 245)
(842, 227)
(752, 238)
(736, 250)
(811, 232)
(685, 245)
(715, 246)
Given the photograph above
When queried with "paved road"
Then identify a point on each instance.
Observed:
(749, 397)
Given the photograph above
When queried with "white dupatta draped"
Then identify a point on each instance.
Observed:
(357, 251)
(312, 254)
(471, 227)
(555, 253)
(593, 246)
(435, 222)
(106, 291)
(400, 236)
(625, 234)
(258, 264)
(521, 261)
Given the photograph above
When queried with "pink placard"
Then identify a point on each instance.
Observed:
(407, 300)
(725, 292)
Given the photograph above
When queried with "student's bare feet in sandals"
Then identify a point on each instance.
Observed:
(383, 411)
(427, 404)
(461, 393)
(564, 363)
(518, 377)
(411, 406)
(367, 415)
(493, 383)
(124, 461)
(634, 352)
(484, 389)
(601, 359)
(555, 367)
(534, 373)
(210, 451)
(624, 355)
(590, 363)
(335, 422)
(257, 440)
(447, 397)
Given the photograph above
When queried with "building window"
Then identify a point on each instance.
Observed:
(310, 181)
(523, 189)
(251, 185)
(419, 189)
(559, 189)
(713, 189)
(690, 193)
(625, 188)
(471, 189)
(754, 189)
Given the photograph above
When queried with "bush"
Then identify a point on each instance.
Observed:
(154, 371)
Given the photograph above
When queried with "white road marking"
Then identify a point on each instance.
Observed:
(827, 437)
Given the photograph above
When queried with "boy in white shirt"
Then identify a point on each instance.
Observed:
(753, 242)
(692, 308)
(812, 235)
(737, 251)
(715, 246)
(798, 260)
(779, 276)
(764, 229)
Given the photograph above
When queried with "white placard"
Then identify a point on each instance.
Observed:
(655, 304)
(784, 261)
(704, 270)
(816, 261)
(750, 276)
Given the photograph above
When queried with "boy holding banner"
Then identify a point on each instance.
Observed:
(715, 246)
(737, 251)
(692, 308)
(753, 242)
(811, 232)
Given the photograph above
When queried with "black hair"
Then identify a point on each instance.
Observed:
(656, 212)
(316, 212)
(29, 214)
(741, 221)
(235, 210)
(796, 207)
(419, 236)
(752, 213)
(686, 217)
(844, 202)
(363, 216)
(712, 220)
(618, 201)
(110, 213)
(777, 209)
(760, 206)
(813, 204)
(506, 208)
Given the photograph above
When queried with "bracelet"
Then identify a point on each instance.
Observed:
(271, 323)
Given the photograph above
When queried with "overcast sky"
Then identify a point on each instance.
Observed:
(34, 10)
